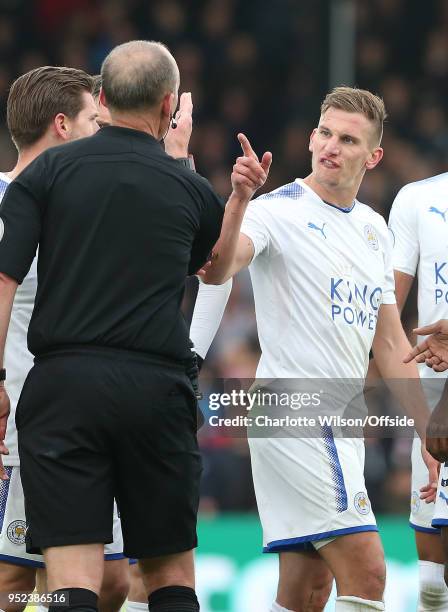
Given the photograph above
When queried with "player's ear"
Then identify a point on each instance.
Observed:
(374, 158)
(61, 126)
(310, 146)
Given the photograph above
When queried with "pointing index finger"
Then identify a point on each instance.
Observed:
(245, 145)
(434, 328)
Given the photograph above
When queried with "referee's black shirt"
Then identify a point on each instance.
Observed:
(120, 225)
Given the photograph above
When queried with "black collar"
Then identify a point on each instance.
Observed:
(115, 131)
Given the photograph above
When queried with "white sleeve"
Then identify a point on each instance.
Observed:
(389, 281)
(207, 314)
(255, 226)
(404, 230)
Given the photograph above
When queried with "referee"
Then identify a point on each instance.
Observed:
(107, 410)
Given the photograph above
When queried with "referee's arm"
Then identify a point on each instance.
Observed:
(8, 287)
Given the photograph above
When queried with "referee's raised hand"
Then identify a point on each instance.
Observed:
(4, 413)
(178, 139)
(249, 173)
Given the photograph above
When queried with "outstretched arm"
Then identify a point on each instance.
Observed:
(233, 250)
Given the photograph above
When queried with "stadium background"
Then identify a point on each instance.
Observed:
(262, 67)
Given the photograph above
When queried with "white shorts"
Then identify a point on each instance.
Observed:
(440, 518)
(309, 490)
(13, 526)
(421, 514)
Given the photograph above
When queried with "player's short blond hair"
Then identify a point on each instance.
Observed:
(353, 100)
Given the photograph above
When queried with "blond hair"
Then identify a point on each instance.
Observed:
(353, 100)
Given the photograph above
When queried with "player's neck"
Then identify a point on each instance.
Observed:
(25, 157)
(341, 198)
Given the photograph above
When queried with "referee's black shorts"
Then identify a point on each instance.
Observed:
(94, 424)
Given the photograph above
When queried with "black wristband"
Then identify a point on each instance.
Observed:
(187, 162)
(2, 374)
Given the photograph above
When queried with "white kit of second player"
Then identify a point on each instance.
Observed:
(418, 224)
(320, 274)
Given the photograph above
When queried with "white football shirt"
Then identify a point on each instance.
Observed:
(319, 276)
(418, 224)
(18, 360)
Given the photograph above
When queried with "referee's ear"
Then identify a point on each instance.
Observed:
(102, 97)
(168, 105)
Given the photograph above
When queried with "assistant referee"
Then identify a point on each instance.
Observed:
(107, 410)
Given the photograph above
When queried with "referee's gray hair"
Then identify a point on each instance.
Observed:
(138, 74)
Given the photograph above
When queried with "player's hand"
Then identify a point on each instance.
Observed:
(4, 413)
(434, 350)
(202, 272)
(429, 491)
(178, 139)
(249, 174)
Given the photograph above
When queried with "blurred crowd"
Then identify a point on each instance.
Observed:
(261, 67)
